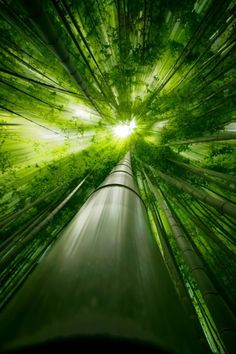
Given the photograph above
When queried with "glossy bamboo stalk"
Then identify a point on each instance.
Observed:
(220, 204)
(105, 275)
(219, 137)
(206, 172)
(222, 315)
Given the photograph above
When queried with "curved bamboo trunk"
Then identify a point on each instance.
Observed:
(221, 314)
(176, 275)
(204, 171)
(205, 139)
(221, 204)
(104, 276)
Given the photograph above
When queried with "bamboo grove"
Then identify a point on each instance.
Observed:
(70, 72)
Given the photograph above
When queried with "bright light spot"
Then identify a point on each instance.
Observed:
(86, 114)
(124, 130)
(82, 112)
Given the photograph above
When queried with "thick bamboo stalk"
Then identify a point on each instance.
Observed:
(207, 171)
(204, 171)
(205, 139)
(222, 315)
(220, 204)
(104, 276)
(177, 278)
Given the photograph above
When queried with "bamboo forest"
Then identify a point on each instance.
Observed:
(118, 176)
